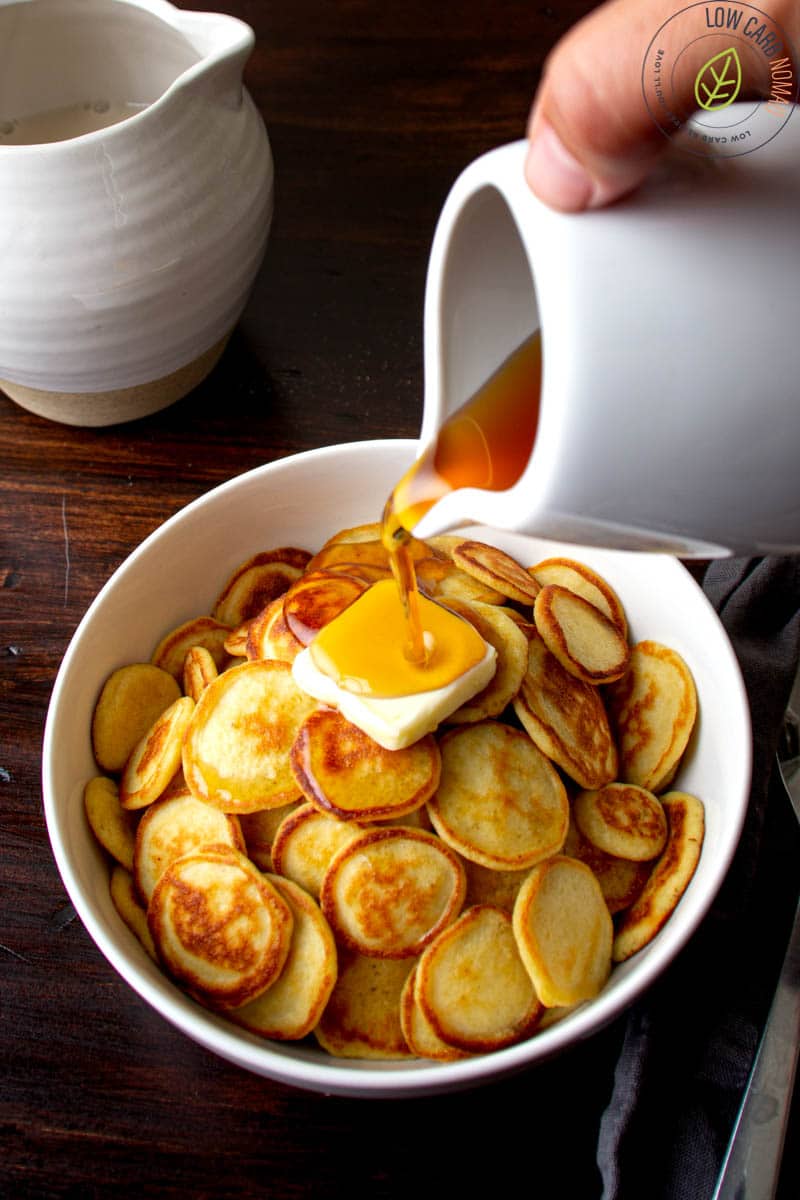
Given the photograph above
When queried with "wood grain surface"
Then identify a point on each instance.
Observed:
(372, 110)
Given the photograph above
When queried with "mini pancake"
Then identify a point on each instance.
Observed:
(111, 824)
(258, 581)
(342, 770)
(305, 844)
(582, 580)
(653, 710)
(362, 1017)
(157, 757)
(585, 641)
(472, 986)
(219, 926)
(498, 629)
(236, 641)
(623, 820)
(292, 1006)
(130, 701)
(348, 556)
(129, 907)
(669, 879)
(269, 638)
(564, 931)
(259, 829)
(440, 578)
(368, 532)
(316, 599)
(170, 653)
(171, 828)
(236, 749)
(620, 880)
(391, 891)
(496, 569)
(420, 1035)
(566, 719)
(497, 888)
(199, 670)
(500, 802)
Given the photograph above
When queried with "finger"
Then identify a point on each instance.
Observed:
(592, 137)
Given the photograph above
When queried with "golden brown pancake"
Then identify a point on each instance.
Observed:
(157, 757)
(130, 701)
(129, 907)
(566, 719)
(501, 631)
(669, 879)
(389, 892)
(362, 1017)
(653, 710)
(236, 749)
(170, 653)
(270, 638)
(584, 582)
(219, 926)
(472, 986)
(585, 641)
(291, 1007)
(305, 843)
(341, 770)
(420, 1035)
(623, 820)
(171, 828)
(500, 802)
(199, 669)
(496, 569)
(620, 880)
(315, 599)
(112, 825)
(258, 581)
(563, 930)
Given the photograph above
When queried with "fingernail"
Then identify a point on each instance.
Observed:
(554, 174)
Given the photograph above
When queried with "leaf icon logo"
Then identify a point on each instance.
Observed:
(718, 81)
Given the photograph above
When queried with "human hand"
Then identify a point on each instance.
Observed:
(592, 137)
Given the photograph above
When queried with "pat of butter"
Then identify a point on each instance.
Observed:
(394, 721)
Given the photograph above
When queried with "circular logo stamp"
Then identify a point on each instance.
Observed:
(725, 75)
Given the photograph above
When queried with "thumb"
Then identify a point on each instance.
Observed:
(592, 135)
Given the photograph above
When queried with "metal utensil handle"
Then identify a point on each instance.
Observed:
(752, 1164)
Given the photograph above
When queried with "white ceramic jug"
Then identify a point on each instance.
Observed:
(127, 252)
(670, 325)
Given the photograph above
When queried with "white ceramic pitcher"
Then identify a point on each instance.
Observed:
(126, 252)
(670, 325)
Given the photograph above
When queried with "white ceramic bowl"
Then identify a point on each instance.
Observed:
(175, 575)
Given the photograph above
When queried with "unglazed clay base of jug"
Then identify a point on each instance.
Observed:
(130, 248)
(92, 409)
(669, 416)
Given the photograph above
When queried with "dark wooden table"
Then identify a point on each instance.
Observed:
(372, 109)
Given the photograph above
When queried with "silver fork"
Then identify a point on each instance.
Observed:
(752, 1163)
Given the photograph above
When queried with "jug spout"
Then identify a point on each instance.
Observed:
(223, 45)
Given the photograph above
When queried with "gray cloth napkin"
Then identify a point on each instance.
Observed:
(688, 1045)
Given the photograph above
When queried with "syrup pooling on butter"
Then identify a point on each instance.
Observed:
(363, 650)
(392, 640)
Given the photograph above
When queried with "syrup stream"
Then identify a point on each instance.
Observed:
(486, 444)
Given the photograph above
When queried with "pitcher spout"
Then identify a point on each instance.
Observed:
(223, 45)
